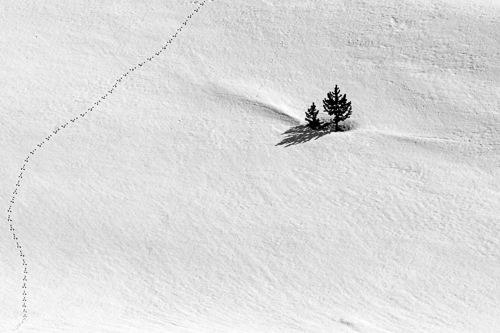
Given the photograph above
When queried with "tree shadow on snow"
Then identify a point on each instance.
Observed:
(303, 133)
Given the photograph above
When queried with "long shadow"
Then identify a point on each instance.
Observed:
(303, 133)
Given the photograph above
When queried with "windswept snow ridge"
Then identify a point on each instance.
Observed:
(266, 104)
(10, 221)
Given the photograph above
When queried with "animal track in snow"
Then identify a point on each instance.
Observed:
(39, 145)
(412, 170)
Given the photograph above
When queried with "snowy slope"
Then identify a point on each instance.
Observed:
(191, 198)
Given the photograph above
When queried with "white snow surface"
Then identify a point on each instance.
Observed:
(192, 198)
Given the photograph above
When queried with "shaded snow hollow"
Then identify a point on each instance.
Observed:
(158, 177)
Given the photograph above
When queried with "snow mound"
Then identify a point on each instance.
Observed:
(262, 101)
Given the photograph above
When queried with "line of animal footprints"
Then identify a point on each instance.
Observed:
(15, 238)
(25, 278)
(164, 47)
(18, 184)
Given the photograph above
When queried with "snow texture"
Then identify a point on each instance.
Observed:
(156, 173)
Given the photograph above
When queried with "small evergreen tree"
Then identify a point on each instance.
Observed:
(335, 104)
(312, 117)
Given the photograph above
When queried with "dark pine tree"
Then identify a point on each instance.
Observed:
(312, 117)
(337, 105)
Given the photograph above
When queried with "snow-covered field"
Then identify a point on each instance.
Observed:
(157, 174)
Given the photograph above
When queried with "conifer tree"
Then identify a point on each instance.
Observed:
(312, 117)
(335, 104)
